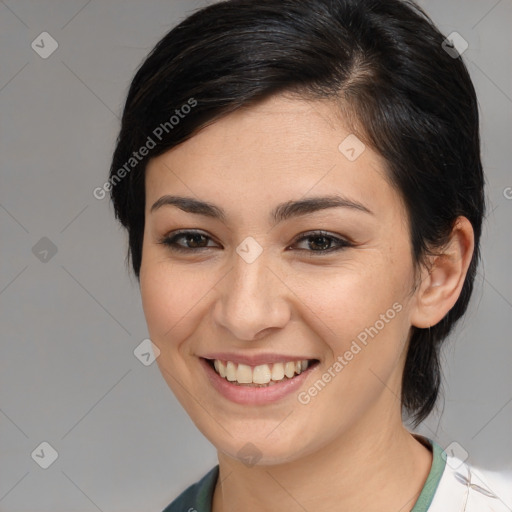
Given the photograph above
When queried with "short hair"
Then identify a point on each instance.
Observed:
(384, 64)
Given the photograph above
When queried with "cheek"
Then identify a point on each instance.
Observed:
(349, 299)
(171, 299)
(361, 317)
(362, 322)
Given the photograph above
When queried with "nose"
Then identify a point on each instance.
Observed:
(252, 300)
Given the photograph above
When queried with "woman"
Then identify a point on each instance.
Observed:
(302, 187)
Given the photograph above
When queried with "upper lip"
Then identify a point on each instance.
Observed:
(256, 359)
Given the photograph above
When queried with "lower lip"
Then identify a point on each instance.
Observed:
(255, 395)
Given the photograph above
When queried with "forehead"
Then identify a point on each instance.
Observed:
(279, 149)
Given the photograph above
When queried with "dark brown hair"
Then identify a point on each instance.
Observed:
(383, 61)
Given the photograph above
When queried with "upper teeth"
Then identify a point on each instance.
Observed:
(262, 374)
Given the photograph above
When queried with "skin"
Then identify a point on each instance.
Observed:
(347, 449)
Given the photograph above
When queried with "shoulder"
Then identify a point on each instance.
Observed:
(472, 489)
(198, 496)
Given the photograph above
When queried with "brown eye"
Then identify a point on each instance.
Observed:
(321, 242)
(318, 243)
(192, 241)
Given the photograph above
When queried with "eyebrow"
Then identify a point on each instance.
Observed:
(280, 213)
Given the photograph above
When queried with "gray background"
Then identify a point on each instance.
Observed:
(70, 324)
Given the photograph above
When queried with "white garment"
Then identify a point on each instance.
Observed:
(465, 488)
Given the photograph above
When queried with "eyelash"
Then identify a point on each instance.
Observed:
(170, 242)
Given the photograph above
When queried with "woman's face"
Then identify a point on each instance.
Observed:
(256, 284)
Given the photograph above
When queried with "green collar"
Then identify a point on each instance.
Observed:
(433, 479)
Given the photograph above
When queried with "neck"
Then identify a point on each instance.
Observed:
(365, 469)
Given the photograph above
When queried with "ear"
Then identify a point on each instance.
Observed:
(442, 280)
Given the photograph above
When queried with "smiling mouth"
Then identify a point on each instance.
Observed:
(263, 375)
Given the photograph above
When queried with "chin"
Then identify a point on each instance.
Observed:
(257, 449)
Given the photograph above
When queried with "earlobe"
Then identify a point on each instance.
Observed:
(442, 281)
